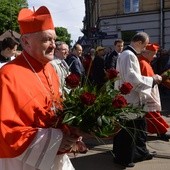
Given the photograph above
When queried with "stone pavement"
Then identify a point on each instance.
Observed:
(99, 156)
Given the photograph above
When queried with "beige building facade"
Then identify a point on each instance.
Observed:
(107, 20)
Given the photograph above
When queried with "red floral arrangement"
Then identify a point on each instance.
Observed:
(94, 111)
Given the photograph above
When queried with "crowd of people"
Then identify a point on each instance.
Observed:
(32, 89)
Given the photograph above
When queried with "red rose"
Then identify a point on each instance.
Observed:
(111, 73)
(119, 102)
(73, 80)
(87, 98)
(126, 88)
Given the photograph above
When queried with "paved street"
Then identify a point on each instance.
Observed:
(99, 156)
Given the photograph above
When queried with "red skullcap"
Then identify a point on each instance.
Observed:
(36, 21)
(152, 47)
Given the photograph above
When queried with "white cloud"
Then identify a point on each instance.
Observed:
(65, 13)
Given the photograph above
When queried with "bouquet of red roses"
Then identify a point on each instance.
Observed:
(96, 111)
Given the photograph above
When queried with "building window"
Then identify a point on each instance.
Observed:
(131, 6)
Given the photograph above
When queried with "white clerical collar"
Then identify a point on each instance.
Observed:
(132, 48)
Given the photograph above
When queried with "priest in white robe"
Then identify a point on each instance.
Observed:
(129, 144)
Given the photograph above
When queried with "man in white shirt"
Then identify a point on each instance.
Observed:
(59, 64)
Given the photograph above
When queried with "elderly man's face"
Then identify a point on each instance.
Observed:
(62, 51)
(41, 45)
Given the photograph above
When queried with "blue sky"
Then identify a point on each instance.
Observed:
(65, 13)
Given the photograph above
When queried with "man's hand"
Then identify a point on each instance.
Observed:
(67, 143)
(72, 140)
(157, 79)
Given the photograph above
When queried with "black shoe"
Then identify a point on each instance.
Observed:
(164, 137)
(150, 156)
(130, 165)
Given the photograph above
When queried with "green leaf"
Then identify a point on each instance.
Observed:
(68, 118)
(99, 121)
(106, 120)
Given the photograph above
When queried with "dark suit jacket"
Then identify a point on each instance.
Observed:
(98, 74)
(75, 65)
(111, 60)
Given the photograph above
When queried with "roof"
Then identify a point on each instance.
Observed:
(10, 33)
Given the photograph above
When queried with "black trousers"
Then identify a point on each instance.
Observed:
(129, 145)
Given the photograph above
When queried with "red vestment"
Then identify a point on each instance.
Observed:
(154, 120)
(25, 102)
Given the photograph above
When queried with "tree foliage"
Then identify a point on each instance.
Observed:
(9, 10)
(63, 35)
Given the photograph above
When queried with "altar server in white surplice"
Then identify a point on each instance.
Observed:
(129, 144)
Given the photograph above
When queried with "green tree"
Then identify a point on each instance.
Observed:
(9, 10)
(63, 35)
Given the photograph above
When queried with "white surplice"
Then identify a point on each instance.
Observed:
(41, 154)
(129, 71)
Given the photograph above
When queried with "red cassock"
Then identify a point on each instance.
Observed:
(25, 103)
(154, 120)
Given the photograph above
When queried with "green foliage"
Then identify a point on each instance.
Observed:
(9, 10)
(63, 35)
(167, 73)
